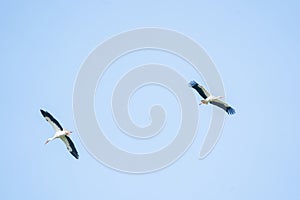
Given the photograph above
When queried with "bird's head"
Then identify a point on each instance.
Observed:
(203, 101)
(67, 132)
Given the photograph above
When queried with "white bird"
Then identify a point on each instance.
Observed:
(208, 98)
(61, 133)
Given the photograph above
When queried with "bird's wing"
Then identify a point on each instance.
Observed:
(223, 105)
(54, 123)
(70, 146)
(200, 89)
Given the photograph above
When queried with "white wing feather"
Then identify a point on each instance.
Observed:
(55, 127)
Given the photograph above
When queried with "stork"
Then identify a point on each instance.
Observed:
(61, 133)
(208, 98)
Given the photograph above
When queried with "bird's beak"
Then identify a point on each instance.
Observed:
(46, 141)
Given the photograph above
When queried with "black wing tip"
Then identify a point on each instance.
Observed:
(193, 83)
(44, 113)
(230, 111)
(75, 154)
(73, 148)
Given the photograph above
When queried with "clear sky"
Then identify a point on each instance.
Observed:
(255, 47)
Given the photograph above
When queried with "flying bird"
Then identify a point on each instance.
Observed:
(61, 133)
(208, 98)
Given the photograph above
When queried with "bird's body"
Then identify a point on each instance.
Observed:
(61, 133)
(58, 134)
(208, 98)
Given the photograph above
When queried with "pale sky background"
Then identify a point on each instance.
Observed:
(255, 47)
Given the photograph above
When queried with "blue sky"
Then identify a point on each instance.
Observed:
(255, 47)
